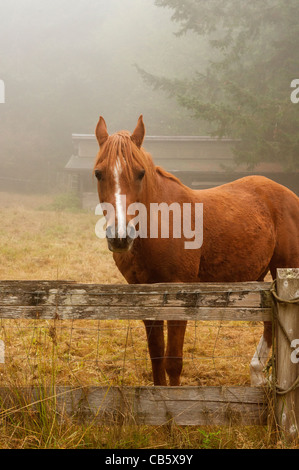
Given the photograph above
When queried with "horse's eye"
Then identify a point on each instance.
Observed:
(98, 174)
(141, 175)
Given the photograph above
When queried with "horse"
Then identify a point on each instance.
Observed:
(250, 227)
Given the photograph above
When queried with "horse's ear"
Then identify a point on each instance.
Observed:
(139, 132)
(101, 131)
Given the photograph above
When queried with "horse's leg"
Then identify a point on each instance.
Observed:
(260, 357)
(174, 353)
(155, 339)
(259, 360)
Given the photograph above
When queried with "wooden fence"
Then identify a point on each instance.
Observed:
(246, 301)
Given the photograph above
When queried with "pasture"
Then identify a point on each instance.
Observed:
(50, 238)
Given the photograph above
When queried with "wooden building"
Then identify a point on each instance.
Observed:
(200, 162)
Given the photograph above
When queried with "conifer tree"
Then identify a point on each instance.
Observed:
(245, 92)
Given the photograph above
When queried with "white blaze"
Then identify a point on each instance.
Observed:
(119, 201)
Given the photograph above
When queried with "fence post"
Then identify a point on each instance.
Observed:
(287, 359)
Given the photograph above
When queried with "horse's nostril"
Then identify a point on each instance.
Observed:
(110, 232)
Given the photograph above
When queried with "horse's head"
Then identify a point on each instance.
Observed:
(120, 169)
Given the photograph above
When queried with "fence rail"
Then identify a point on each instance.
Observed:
(196, 406)
(66, 300)
(246, 301)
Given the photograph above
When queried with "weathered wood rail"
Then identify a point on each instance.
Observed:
(66, 300)
(148, 405)
(247, 301)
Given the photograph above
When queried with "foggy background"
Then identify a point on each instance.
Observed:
(66, 62)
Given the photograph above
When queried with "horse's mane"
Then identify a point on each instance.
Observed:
(165, 174)
(120, 144)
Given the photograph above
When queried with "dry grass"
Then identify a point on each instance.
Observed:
(47, 244)
(38, 242)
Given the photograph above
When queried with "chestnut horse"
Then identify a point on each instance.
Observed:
(250, 226)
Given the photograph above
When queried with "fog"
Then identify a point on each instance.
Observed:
(63, 63)
(66, 62)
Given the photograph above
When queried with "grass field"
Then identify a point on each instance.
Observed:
(49, 237)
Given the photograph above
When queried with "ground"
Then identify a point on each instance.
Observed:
(49, 237)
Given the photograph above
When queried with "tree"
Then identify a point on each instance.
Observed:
(245, 91)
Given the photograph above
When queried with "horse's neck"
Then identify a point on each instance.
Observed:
(169, 190)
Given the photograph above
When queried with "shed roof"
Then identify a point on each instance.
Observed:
(172, 152)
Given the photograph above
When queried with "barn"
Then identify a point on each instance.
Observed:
(199, 161)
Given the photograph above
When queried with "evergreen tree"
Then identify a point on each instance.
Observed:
(245, 92)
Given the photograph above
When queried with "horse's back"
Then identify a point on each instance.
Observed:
(256, 185)
(280, 200)
(282, 203)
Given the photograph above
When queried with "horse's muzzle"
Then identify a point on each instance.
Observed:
(118, 243)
